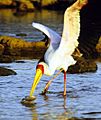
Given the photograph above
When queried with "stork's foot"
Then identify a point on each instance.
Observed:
(46, 88)
(64, 94)
(44, 91)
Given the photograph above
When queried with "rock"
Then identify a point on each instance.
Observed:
(21, 34)
(20, 5)
(24, 6)
(47, 2)
(29, 98)
(90, 28)
(6, 72)
(98, 46)
(51, 4)
(1, 49)
(6, 3)
(6, 59)
(18, 47)
(55, 4)
(83, 65)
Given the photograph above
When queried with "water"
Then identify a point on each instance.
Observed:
(83, 90)
(82, 101)
(12, 25)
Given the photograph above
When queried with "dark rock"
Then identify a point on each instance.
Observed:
(20, 61)
(21, 34)
(90, 28)
(6, 72)
(5, 3)
(55, 4)
(83, 65)
(24, 6)
(19, 13)
(6, 59)
(18, 47)
(98, 47)
(1, 49)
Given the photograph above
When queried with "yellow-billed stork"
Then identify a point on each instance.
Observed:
(59, 54)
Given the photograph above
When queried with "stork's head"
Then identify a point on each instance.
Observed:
(40, 70)
(81, 3)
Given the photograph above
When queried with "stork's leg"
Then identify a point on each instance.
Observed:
(64, 83)
(46, 87)
(49, 82)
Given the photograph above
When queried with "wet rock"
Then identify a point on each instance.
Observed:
(5, 3)
(28, 101)
(90, 28)
(83, 65)
(24, 6)
(20, 61)
(1, 49)
(18, 47)
(6, 72)
(98, 46)
(29, 98)
(6, 59)
(52, 4)
(21, 34)
(55, 4)
(47, 2)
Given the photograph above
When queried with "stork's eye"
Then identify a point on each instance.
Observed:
(41, 67)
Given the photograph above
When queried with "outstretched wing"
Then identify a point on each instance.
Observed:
(71, 29)
(54, 37)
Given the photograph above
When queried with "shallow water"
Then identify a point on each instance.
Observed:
(83, 90)
(83, 95)
(12, 25)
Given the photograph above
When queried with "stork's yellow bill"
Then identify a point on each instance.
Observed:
(39, 73)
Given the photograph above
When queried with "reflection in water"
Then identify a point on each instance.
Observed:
(65, 115)
(12, 25)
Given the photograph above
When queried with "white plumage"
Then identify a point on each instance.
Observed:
(59, 54)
